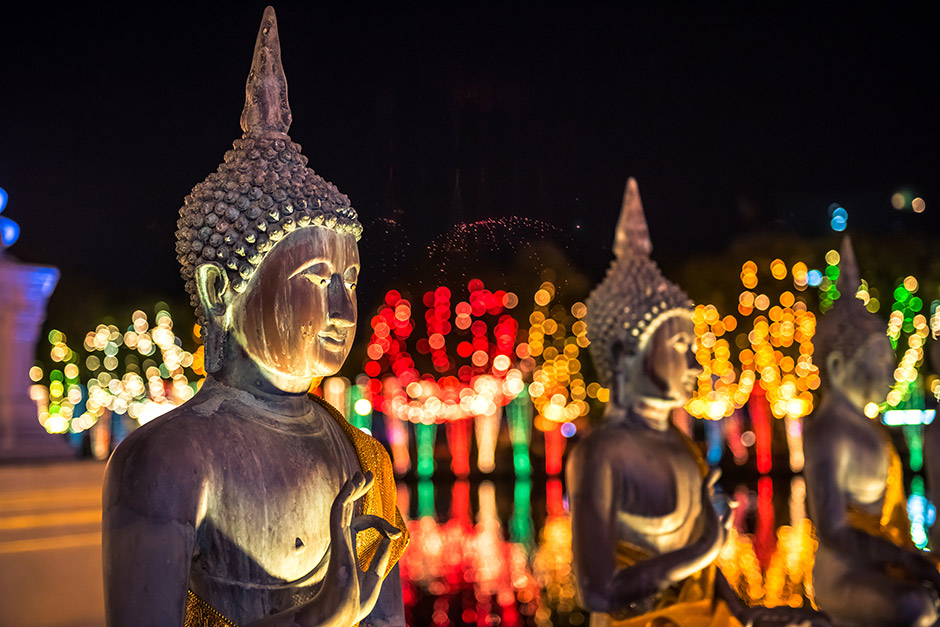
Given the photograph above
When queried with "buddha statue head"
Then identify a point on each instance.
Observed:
(639, 323)
(268, 248)
(851, 344)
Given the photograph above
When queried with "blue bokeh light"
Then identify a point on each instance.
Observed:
(9, 231)
(814, 277)
(568, 429)
(840, 218)
(3, 199)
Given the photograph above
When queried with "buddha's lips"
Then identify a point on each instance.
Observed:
(332, 340)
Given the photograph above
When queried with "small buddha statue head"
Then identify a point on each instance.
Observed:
(268, 248)
(639, 323)
(851, 345)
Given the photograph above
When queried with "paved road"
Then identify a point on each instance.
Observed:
(50, 545)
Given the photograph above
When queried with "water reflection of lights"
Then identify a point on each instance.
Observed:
(480, 564)
(476, 575)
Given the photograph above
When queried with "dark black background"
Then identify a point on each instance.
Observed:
(736, 119)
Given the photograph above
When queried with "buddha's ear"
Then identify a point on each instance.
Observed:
(212, 284)
(835, 368)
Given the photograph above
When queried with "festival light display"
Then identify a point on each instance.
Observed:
(907, 325)
(470, 347)
(775, 358)
(89, 385)
(559, 393)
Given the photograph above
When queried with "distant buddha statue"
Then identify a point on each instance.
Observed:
(646, 526)
(254, 503)
(867, 570)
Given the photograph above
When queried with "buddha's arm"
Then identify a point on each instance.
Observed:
(590, 491)
(828, 506)
(151, 511)
(675, 566)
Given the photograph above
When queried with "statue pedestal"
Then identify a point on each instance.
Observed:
(24, 290)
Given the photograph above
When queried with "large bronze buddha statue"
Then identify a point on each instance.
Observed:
(254, 503)
(646, 526)
(867, 570)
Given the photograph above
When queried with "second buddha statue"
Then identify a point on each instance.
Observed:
(646, 525)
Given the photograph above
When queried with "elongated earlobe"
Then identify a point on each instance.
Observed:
(835, 368)
(212, 284)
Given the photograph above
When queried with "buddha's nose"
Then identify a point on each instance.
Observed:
(342, 310)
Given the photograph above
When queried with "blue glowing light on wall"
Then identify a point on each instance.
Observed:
(9, 230)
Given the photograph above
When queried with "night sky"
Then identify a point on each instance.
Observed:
(751, 120)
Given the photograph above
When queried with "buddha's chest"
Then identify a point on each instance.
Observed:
(661, 498)
(267, 510)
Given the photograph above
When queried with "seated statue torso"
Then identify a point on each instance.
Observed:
(858, 452)
(860, 457)
(271, 486)
(659, 487)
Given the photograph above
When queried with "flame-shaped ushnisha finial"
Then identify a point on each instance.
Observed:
(848, 324)
(849, 277)
(632, 236)
(266, 111)
(262, 190)
(626, 307)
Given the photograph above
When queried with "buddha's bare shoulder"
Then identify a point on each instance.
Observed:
(169, 453)
(607, 443)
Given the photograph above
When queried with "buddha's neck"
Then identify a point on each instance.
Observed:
(651, 413)
(243, 375)
(836, 400)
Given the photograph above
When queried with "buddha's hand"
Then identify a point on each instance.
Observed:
(349, 593)
(716, 526)
(723, 505)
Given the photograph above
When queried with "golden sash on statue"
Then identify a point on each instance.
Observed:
(379, 501)
(892, 524)
(692, 602)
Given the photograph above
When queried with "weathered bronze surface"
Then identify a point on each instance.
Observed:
(250, 503)
(646, 525)
(867, 570)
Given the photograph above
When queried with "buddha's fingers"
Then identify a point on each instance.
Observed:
(713, 476)
(368, 521)
(342, 509)
(370, 581)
